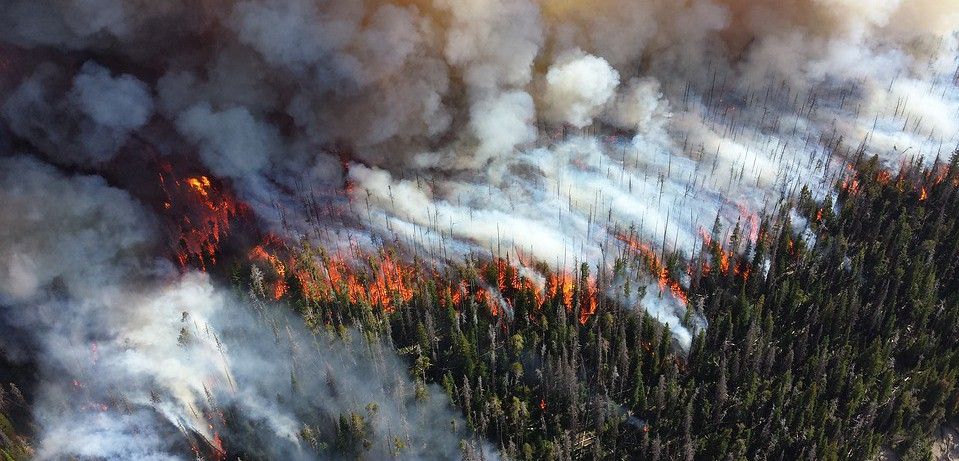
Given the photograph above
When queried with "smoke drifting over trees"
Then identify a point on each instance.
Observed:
(529, 129)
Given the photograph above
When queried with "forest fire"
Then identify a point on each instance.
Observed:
(201, 185)
(563, 285)
(528, 262)
(391, 278)
(908, 178)
(883, 177)
(752, 220)
(259, 253)
(387, 283)
(850, 186)
(201, 214)
(557, 229)
(589, 302)
(656, 267)
(455, 295)
(484, 297)
(219, 453)
(725, 259)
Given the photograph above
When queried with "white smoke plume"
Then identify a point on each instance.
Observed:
(577, 88)
(640, 107)
(449, 127)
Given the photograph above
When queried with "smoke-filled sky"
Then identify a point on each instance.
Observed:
(446, 127)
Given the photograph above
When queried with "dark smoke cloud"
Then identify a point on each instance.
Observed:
(81, 121)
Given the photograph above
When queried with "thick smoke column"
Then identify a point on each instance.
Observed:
(542, 128)
(577, 88)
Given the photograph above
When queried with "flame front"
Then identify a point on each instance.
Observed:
(384, 280)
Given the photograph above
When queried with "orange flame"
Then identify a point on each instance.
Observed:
(201, 215)
(657, 267)
(588, 302)
(392, 279)
(883, 177)
(752, 220)
(724, 258)
(485, 297)
(386, 283)
(219, 453)
(850, 185)
(259, 253)
(200, 184)
(562, 284)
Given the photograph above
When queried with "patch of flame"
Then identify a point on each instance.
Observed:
(724, 258)
(201, 214)
(279, 286)
(386, 283)
(656, 267)
(219, 453)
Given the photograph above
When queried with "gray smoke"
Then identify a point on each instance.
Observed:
(85, 120)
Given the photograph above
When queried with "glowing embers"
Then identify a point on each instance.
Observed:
(200, 211)
(219, 453)
(883, 177)
(656, 267)
(208, 446)
(85, 401)
(912, 178)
